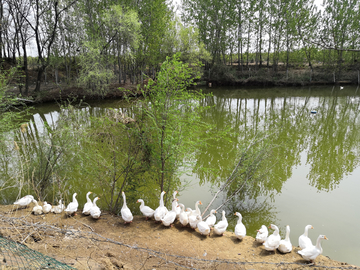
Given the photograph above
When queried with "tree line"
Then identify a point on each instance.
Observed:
(99, 41)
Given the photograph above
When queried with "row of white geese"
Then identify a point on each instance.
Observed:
(90, 207)
(188, 216)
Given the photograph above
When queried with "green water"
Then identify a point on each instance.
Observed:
(314, 178)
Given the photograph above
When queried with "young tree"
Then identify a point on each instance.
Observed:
(173, 122)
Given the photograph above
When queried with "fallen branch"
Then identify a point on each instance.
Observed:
(234, 175)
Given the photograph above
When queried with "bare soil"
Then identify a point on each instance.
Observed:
(108, 243)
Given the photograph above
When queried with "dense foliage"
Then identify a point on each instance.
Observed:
(94, 42)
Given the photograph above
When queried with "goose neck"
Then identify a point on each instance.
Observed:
(124, 198)
(162, 199)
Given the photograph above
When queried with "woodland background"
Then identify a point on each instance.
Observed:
(93, 43)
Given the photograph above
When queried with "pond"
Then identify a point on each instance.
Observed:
(315, 172)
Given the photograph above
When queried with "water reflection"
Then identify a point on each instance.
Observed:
(254, 212)
(331, 135)
(333, 143)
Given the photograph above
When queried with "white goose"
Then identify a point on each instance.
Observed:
(240, 229)
(194, 220)
(161, 211)
(178, 210)
(146, 210)
(24, 201)
(211, 220)
(285, 245)
(188, 211)
(183, 218)
(95, 211)
(170, 216)
(46, 207)
(273, 241)
(310, 253)
(221, 226)
(37, 209)
(58, 209)
(262, 234)
(125, 211)
(72, 207)
(304, 240)
(197, 209)
(192, 217)
(203, 227)
(87, 205)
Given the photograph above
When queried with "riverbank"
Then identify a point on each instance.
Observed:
(220, 76)
(52, 92)
(108, 243)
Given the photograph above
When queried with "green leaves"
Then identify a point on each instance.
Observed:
(94, 75)
(172, 121)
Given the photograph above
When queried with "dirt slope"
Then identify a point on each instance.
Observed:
(107, 243)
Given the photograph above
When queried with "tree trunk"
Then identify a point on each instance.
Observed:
(120, 69)
(269, 49)
(26, 70)
(38, 80)
(260, 41)
(239, 40)
(56, 75)
(248, 47)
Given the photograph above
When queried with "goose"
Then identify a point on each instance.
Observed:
(311, 252)
(95, 211)
(203, 227)
(46, 207)
(240, 230)
(192, 216)
(178, 210)
(87, 205)
(197, 209)
(188, 211)
(170, 216)
(58, 209)
(273, 241)
(262, 234)
(125, 211)
(285, 245)
(221, 226)
(194, 220)
(146, 210)
(183, 218)
(304, 240)
(72, 207)
(211, 220)
(24, 201)
(161, 211)
(37, 209)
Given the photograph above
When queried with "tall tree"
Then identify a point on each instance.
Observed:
(305, 23)
(44, 23)
(339, 28)
(214, 18)
(23, 30)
